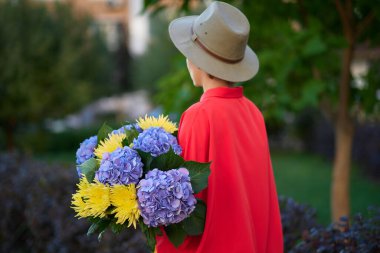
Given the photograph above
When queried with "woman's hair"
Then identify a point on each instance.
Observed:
(214, 77)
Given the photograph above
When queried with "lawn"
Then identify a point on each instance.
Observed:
(306, 178)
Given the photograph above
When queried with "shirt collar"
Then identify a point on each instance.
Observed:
(224, 92)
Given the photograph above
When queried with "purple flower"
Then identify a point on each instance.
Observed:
(138, 128)
(122, 166)
(122, 129)
(86, 151)
(156, 141)
(165, 197)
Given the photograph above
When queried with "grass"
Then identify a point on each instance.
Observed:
(307, 179)
(302, 176)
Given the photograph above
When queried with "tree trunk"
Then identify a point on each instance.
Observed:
(344, 131)
(340, 188)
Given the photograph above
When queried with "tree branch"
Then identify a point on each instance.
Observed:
(349, 11)
(360, 28)
(303, 12)
(345, 19)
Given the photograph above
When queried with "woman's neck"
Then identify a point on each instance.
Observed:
(210, 83)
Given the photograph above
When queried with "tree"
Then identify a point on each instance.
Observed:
(52, 62)
(306, 50)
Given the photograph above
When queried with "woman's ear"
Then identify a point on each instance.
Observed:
(194, 72)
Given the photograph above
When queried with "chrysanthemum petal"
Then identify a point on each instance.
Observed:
(91, 199)
(109, 144)
(78, 199)
(124, 198)
(98, 200)
(161, 121)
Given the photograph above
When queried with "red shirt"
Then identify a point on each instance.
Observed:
(243, 213)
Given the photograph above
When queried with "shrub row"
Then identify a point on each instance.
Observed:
(303, 235)
(35, 200)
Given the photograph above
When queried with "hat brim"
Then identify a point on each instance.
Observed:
(180, 34)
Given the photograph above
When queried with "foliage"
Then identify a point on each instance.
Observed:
(52, 62)
(35, 200)
(176, 91)
(361, 236)
(36, 217)
(296, 219)
(300, 58)
(367, 99)
(308, 61)
(303, 234)
(39, 141)
(153, 64)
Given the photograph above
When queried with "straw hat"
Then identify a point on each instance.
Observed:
(216, 42)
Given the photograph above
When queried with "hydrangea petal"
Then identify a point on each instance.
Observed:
(162, 199)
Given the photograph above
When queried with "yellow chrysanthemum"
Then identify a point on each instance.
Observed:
(98, 200)
(78, 203)
(109, 144)
(124, 198)
(91, 199)
(161, 121)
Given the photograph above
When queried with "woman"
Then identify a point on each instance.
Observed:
(228, 129)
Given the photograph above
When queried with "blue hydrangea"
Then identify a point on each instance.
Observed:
(156, 141)
(122, 166)
(138, 128)
(122, 129)
(165, 197)
(86, 151)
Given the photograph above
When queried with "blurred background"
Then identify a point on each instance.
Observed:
(67, 66)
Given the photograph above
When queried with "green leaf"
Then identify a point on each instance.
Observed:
(150, 234)
(88, 168)
(100, 236)
(98, 226)
(310, 93)
(157, 231)
(195, 223)
(146, 159)
(117, 228)
(167, 161)
(185, 5)
(176, 234)
(92, 229)
(314, 46)
(131, 135)
(199, 173)
(103, 132)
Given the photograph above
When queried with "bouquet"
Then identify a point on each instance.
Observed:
(135, 175)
